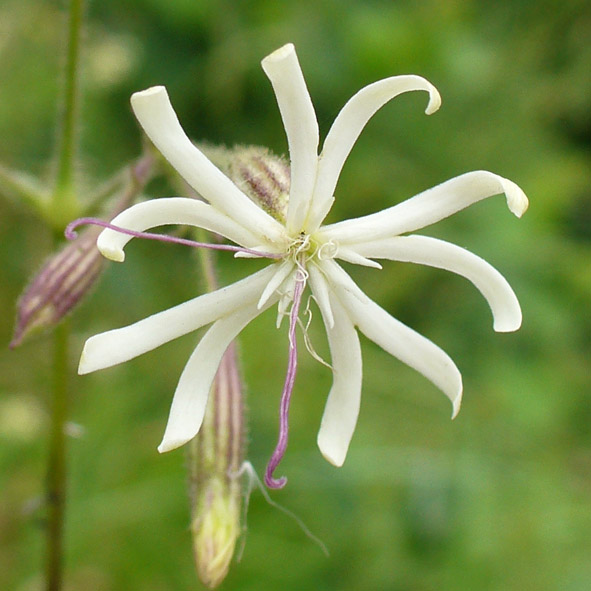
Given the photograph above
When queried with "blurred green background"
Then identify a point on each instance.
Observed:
(499, 499)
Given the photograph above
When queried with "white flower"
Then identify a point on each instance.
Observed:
(304, 254)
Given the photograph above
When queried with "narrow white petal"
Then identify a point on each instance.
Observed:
(352, 256)
(119, 345)
(346, 129)
(285, 299)
(443, 255)
(342, 406)
(282, 270)
(320, 290)
(155, 113)
(396, 338)
(190, 398)
(172, 210)
(299, 119)
(428, 207)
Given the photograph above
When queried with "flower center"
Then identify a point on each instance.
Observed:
(306, 247)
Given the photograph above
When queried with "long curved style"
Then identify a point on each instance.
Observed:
(302, 253)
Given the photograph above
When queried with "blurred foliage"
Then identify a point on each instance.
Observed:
(497, 500)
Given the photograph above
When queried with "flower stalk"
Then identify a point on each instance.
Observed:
(64, 203)
(57, 467)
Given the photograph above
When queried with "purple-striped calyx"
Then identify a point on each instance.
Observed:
(61, 283)
(215, 460)
(303, 253)
(258, 173)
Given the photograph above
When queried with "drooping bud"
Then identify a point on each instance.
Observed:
(60, 284)
(258, 173)
(215, 458)
(69, 274)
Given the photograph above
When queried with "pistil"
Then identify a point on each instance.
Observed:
(281, 446)
(71, 234)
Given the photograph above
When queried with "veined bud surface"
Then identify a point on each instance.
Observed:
(215, 528)
(69, 274)
(258, 173)
(215, 458)
(60, 284)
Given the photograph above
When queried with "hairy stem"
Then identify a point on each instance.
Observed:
(63, 205)
(56, 469)
(64, 202)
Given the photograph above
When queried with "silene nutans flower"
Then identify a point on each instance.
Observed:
(303, 253)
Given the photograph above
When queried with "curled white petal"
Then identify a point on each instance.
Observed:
(171, 210)
(122, 344)
(429, 207)
(321, 293)
(190, 398)
(396, 338)
(443, 255)
(155, 113)
(299, 119)
(342, 406)
(346, 129)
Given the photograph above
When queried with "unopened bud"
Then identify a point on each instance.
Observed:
(258, 173)
(215, 529)
(60, 284)
(215, 459)
(69, 274)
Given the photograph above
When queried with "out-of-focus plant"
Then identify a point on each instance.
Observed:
(69, 272)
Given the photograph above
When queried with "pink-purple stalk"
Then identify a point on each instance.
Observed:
(71, 234)
(292, 365)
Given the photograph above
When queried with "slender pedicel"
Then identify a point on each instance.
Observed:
(71, 234)
(277, 456)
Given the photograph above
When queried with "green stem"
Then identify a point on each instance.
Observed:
(63, 207)
(64, 202)
(56, 470)
(206, 261)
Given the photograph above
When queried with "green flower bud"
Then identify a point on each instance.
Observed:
(215, 459)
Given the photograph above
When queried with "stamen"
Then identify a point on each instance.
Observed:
(307, 340)
(71, 234)
(328, 250)
(281, 446)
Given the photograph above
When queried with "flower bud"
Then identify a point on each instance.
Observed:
(60, 284)
(215, 529)
(215, 459)
(68, 275)
(258, 173)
